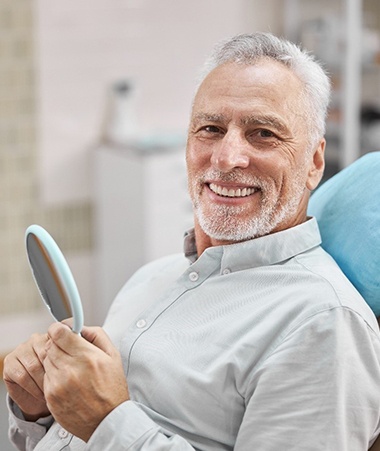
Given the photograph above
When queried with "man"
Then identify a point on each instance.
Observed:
(255, 340)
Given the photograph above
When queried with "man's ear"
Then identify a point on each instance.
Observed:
(317, 165)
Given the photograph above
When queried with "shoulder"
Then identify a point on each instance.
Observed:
(173, 264)
(152, 278)
(334, 289)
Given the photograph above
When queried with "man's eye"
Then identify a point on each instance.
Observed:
(263, 133)
(211, 129)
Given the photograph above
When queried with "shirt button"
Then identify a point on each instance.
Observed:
(141, 323)
(62, 433)
(226, 271)
(193, 276)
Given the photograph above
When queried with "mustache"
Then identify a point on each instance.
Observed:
(235, 176)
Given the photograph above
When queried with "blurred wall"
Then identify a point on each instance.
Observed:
(57, 61)
(20, 304)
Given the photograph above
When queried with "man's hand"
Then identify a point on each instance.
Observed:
(24, 375)
(84, 378)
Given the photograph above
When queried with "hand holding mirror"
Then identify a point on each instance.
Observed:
(53, 277)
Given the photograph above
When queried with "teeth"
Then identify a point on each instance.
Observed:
(231, 192)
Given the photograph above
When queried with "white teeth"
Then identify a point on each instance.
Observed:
(231, 192)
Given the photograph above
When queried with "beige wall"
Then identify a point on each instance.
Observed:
(19, 184)
(20, 305)
(17, 151)
(172, 44)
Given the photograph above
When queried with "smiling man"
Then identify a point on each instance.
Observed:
(251, 162)
(253, 339)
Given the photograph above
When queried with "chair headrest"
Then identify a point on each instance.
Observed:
(347, 208)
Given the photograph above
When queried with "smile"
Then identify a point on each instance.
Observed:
(230, 192)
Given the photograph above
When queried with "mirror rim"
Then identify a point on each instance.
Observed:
(63, 272)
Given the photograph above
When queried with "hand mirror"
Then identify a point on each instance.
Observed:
(53, 277)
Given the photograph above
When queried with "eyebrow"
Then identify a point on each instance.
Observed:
(206, 117)
(265, 120)
(262, 120)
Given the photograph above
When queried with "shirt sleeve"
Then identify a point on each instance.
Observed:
(128, 427)
(320, 389)
(25, 435)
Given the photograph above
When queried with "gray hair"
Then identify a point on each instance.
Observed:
(250, 48)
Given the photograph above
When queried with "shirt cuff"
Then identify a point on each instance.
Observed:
(126, 427)
(18, 418)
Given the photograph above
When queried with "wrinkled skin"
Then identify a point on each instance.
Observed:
(249, 130)
(78, 379)
(24, 376)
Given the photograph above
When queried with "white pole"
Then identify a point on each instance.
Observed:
(350, 149)
(291, 20)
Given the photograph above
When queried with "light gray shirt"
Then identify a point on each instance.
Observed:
(257, 346)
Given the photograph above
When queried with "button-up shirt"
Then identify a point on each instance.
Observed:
(260, 345)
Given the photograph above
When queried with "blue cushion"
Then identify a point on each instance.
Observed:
(347, 208)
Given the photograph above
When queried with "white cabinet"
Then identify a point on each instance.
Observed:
(141, 212)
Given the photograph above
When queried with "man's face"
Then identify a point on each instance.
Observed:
(249, 162)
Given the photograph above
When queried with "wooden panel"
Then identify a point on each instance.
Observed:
(1, 366)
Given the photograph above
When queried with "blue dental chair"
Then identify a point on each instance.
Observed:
(347, 208)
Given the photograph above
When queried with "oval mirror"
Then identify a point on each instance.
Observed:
(53, 277)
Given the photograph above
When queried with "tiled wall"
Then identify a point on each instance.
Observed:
(19, 190)
(17, 152)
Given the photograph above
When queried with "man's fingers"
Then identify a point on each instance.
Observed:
(63, 337)
(33, 366)
(26, 374)
(69, 322)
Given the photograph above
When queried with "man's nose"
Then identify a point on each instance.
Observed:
(230, 152)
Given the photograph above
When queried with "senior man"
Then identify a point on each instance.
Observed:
(251, 340)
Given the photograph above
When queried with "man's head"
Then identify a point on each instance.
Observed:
(255, 144)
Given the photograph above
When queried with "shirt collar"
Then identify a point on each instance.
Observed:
(267, 250)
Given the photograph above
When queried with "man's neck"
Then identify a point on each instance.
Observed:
(204, 241)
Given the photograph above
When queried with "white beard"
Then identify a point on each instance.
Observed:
(227, 223)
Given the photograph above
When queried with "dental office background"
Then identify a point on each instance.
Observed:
(94, 102)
